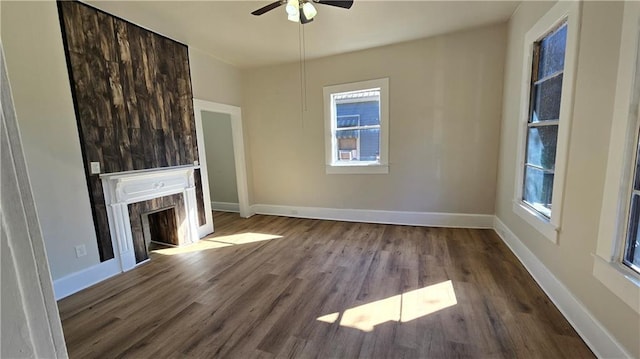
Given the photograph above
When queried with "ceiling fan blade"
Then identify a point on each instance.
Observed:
(343, 4)
(269, 7)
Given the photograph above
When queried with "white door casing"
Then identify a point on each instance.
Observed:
(239, 154)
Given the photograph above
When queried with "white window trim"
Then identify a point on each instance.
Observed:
(358, 167)
(612, 233)
(569, 10)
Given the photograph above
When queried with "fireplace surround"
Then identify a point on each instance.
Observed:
(132, 187)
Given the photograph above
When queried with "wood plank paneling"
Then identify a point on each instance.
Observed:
(200, 197)
(133, 100)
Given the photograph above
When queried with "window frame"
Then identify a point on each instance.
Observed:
(568, 11)
(608, 266)
(356, 167)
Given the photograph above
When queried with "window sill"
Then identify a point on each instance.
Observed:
(619, 280)
(357, 169)
(537, 221)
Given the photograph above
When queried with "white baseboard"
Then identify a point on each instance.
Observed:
(596, 336)
(75, 282)
(453, 220)
(225, 206)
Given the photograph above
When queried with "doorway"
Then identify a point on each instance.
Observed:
(221, 167)
(219, 127)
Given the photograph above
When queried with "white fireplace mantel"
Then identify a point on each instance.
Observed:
(122, 188)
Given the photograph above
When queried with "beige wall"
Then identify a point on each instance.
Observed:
(216, 81)
(30, 324)
(38, 74)
(571, 260)
(221, 167)
(445, 103)
(213, 80)
(37, 70)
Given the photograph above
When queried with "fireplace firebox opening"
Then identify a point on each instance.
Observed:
(160, 226)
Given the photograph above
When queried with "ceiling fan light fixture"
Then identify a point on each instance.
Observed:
(303, 19)
(293, 18)
(292, 8)
(301, 11)
(309, 10)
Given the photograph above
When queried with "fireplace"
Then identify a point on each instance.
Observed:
(162, 219)
(161, 226)
(131, 197)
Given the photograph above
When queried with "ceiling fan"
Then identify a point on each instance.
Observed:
(302, 10)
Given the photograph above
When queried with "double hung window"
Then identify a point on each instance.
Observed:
(544, 118)
(550, 49)
(356, 126)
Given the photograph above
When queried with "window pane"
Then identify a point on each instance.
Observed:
(370, 144)
(355, 110)
(541, 146)
(538, 188)
(366, 113)
(631, 254)
(552, 49)
(358, 145)
(636, 182)
(546, 100)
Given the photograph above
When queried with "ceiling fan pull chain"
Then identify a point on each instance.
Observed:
(303, 72)
(304, 68)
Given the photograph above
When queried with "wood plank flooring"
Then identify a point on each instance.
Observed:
(276, 287)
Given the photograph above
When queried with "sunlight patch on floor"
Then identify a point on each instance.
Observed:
(218, 242)
(400, 308)
(244, 238)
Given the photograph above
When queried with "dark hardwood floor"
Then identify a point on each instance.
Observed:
(269, 287)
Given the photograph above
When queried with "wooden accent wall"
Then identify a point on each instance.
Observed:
(197, 176)
(133, 100)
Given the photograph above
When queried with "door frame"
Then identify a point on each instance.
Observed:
(238, 152)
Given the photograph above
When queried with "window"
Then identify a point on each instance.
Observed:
(631, 248)
(544, 116)
(546, 101)
(616, 259)
(356, 125)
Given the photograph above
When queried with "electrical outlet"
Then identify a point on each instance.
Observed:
(95, 168)
(81, 251)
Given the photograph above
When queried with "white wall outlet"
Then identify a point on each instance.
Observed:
(81, 251)
(95, 168)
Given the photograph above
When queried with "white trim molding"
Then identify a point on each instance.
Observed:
(225, 206)
(594, 334)
(237, 133)
(85, 278)
(431, 219)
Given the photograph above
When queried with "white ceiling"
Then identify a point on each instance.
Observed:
(228, 31)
